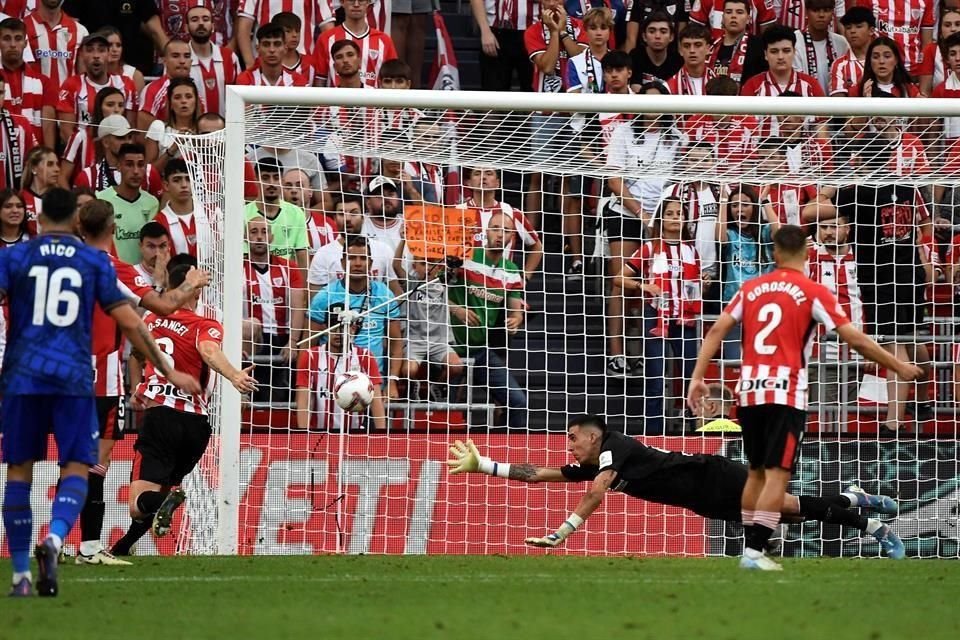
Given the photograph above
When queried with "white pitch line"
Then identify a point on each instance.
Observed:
(472, 578)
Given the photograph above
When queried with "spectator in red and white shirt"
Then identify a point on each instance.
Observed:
(932, 68)
(314, 14)
(376, 47)
(345, 56)
(24, 84)
(908, 22)
(736, 52)
(950, 87)
(213, 66)
(908, 156)
(17, 8)
(484, 182)
(551, 41)
(269, 70)
(884, 71)
(817, 47)
(733, 137)
(317, 371)
(502, 51)
(116, 63)
(792, 13)
(54, 38)
(787, 197)
(709, 13)
(298, 190)
(275, 300)
(178, 217)
(177, 61)
(17, 138)
(174, 18)
(779, 51)
(859, 29)
(183, 116)
(665, 272)
(78, 93)
(293, 60)
(41, 172)
(103, 172)
(691, 80)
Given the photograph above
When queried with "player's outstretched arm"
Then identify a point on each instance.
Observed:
(214, 358)
(163, 304)
(588, 504)
(467, 459)
(869, 349)
(698, 387)
(143, 342)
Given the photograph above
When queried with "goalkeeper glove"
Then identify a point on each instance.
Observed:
(556, 538)
(466, 459)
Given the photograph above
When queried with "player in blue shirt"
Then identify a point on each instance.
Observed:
(51, 285)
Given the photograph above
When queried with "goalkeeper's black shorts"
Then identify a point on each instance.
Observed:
(723, 484)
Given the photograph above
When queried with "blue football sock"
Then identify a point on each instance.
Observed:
(18, 522)
(71, 494)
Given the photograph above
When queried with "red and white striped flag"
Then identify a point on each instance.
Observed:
(444, 75)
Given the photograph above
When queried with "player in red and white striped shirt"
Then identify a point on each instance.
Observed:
(97, 225)
(54, 38)
(175, 429)
(177, 61)
(376, 47)
(709, 13)
(25, 84)
(859, 28)
(78, 93)
(908, 22)
(778, 311)
(317, 371)
(313, 14)
(269, 70)
(275, 299)
(178, 216)
(213, 67)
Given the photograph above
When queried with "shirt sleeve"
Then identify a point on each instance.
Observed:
(131, 279)
(826, 310)
(108, 293)
(533, 40)
(66, 102)
(572, 80)
(613, 455)
(578, 472)
(299, 238)
(210, 331)
(735, 307)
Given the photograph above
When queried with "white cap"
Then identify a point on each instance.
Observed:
(378, 183)
(115, 125)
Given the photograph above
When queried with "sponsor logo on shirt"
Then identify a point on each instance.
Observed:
(764, 384)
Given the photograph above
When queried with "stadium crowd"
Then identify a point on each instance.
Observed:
(87, 107)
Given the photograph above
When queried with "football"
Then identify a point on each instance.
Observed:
(353, 391)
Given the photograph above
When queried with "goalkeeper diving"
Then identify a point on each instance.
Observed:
(708, 485)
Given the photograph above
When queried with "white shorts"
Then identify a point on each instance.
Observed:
(433, 352)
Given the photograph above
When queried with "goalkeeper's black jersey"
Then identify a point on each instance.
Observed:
(655, 475)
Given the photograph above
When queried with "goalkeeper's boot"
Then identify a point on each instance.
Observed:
(880, 504)
(104, 557)
(890, 542)
(22, 589)
(164, 516)
(759, 563)
(47, 556)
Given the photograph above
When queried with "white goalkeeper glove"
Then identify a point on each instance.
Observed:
(467, 459)
(555, 539)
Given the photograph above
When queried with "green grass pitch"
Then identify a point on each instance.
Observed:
(464, 598)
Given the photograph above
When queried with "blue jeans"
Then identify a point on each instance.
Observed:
(490, 370)
(683, 342)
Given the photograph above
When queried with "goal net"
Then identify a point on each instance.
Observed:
(557, 260)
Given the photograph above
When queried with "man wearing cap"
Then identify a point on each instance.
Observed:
(113, 132)
(16, 139)
(132, 206)
(382, 205)
(78, 93)
(213, 67)
(288, 222)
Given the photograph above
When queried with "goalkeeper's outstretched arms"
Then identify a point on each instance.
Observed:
(467, 459)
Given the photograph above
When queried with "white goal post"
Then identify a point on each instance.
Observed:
(252, 119)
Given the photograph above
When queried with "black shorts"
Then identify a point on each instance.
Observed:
(110, 417)
(169, 446)
(772, 434)
(623, 227)
(723, 483)
(897, 307)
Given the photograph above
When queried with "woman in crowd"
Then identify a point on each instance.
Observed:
(13, 219)
(183, 114)
(41, 172)
(82, 147)
(885, 71)
(666, 271)
(745, 241)
(115, 59)
(933, 70)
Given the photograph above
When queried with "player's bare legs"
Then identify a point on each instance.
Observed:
(897, 390)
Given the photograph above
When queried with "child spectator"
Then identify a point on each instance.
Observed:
(693, 77)
(656, 59)
(269, 70)
(293, 60)
(711, 13)
(859, 26)
(737, 53)
(932, 70)
(817, 47)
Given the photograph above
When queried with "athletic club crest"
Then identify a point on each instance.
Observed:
(916, 14)
(210, 83)
(374, 54)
